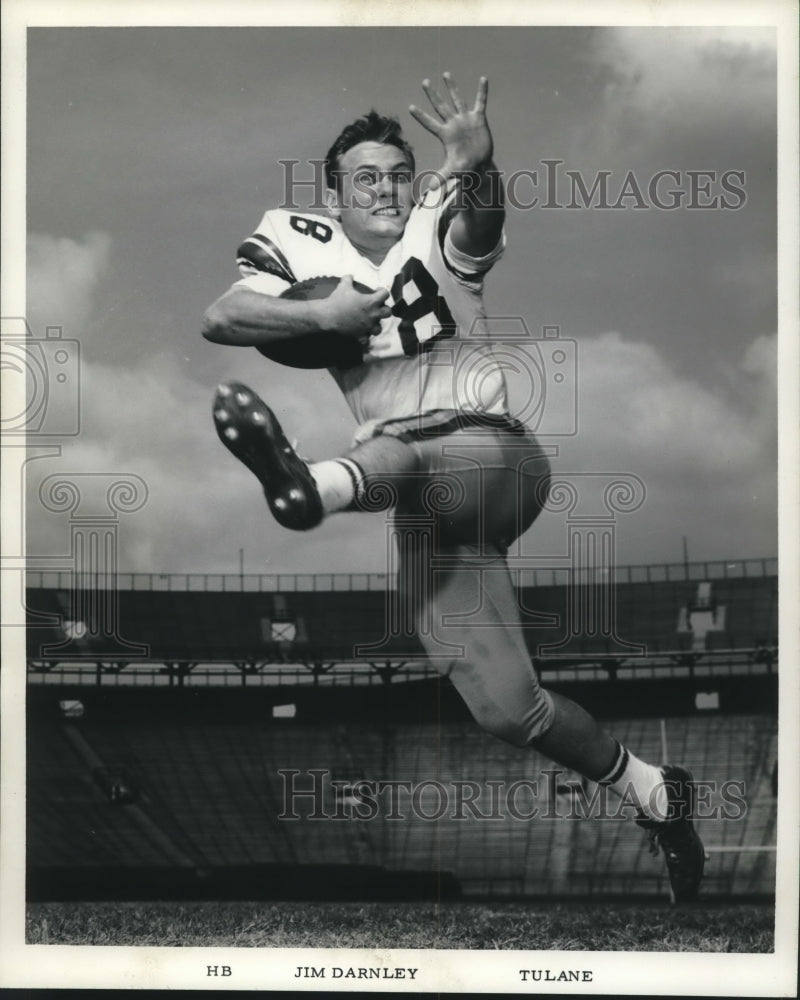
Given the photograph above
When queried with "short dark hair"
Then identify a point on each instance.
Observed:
(371, 127)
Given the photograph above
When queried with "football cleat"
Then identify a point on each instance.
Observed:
(677, 837)
(249, 429)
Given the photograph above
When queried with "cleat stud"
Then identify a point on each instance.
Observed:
(243, 398)
(221, 414)
(258, 418)
(231, 433)
(223, 390)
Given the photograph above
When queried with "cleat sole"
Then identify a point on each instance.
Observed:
(250, 431)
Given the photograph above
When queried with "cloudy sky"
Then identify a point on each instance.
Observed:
(153, 151)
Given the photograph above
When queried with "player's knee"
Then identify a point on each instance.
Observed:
(498, 501)
(509, 730)
(512, 733)
(534, 489)
(390, 470)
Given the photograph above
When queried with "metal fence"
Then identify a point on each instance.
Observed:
(526, 576)
(94, 672)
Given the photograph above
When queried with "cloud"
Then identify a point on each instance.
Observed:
(667, 87)
(62, 278)
(691, 69)
(707, 456)
(660, 412)
(699, 433)
(705, 450)
(153, 420)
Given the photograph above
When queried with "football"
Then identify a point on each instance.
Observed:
(316, 350)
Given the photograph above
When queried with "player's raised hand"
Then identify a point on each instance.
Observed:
(353, 313)
(464, 132)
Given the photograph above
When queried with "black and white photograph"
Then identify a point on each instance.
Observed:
(400, 492)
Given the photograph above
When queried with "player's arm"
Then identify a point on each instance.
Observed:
(246, 317)
(477, 226)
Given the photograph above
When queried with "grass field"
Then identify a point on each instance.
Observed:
(534, 926)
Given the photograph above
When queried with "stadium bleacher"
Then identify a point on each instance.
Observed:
(283, 626)
(209, 792)
(148, 781)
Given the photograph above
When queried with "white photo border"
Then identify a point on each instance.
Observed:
(38, 966)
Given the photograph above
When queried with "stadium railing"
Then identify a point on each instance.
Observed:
(325, 582)
(318, 629)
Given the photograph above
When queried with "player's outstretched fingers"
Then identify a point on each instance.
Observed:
(426, 121)
(438, 102)
(483, 93)
(455, 95)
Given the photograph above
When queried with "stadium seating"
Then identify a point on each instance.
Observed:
(190, 778)
(281, 627)
(209, 793)
(70, 821)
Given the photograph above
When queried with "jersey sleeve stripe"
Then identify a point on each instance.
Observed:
(275, 250)
(462, 263)
(468, 270)
(441, 234)
(259, 252)
(253, 258)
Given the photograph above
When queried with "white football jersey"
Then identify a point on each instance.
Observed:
(432, 352)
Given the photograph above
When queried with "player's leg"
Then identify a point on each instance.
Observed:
(472, 602)
(663, 797)
(494, 482)
(477, 476)
(477, 481)
(371, 476)
(482, 480)
(493, 670)
(465, 601)
(466, 615)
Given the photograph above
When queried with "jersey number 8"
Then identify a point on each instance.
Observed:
(427, 302)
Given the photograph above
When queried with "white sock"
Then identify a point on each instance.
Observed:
(337, 481)
(637, 782)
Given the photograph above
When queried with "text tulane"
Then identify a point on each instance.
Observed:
(556, 975)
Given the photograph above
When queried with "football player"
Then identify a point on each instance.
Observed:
(433, 422)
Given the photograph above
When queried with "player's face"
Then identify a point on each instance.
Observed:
(374, 197)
